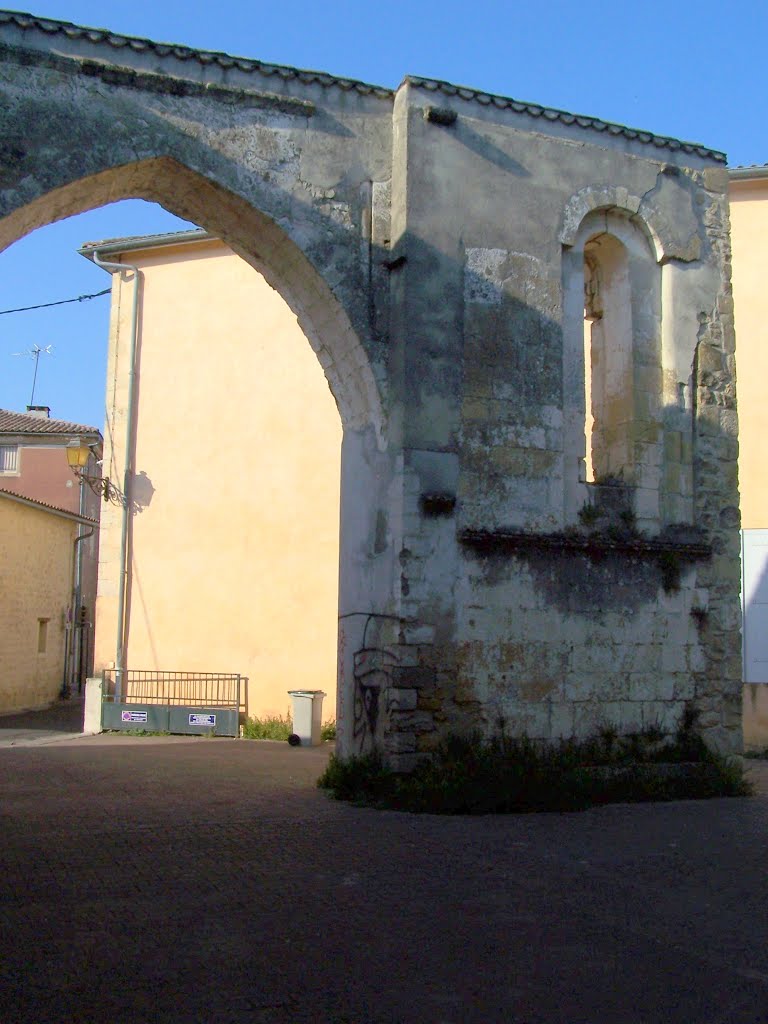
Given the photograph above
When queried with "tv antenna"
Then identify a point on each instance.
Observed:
(34, 353)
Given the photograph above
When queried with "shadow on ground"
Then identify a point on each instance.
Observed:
(208, 880)
(62, 719)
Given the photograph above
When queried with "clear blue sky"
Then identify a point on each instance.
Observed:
(693, 71)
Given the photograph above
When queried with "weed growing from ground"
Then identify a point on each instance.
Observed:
(279, 727)
(270, 727)
(472, 775)
(139, 732)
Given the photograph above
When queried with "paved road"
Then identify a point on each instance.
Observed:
(207, 880)
(62, 720)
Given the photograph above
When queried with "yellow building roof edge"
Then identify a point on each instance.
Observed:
(131, 243)
(42, 506)
(750, 173)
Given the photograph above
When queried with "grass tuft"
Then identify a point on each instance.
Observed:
(270, 727)
(279, 727)
(139, 732)
(471, 775)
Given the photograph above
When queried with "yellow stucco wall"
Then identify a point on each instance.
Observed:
(35, 581)
(235, 530)
(749, 231)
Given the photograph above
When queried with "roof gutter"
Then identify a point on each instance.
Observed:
(748, 173)
(121, 268)
(117, 246)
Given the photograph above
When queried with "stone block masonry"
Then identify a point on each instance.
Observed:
(35, 583)
(525, 317)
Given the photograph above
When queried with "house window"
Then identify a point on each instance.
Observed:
(42, 635)
(9, 458)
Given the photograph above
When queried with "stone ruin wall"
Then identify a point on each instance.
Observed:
(545, 621)
(432, 241)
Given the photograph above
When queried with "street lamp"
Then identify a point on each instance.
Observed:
(78, 453)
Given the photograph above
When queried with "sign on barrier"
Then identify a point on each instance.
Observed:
(133, 716)
(207, 720)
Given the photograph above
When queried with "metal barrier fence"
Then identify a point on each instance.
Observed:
(146, 686)
(193, 703)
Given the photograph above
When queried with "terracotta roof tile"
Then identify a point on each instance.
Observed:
(24, 423)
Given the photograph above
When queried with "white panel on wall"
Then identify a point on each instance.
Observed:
(754, 595)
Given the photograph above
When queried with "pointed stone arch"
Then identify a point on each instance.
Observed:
(253, 236)
(366, 463)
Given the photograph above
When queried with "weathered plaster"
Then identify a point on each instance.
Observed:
(426, 240)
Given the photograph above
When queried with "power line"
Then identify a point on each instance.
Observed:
(61, 302)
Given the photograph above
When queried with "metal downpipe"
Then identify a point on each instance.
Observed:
(127, 476)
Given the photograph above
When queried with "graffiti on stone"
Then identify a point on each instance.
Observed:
(372, 672)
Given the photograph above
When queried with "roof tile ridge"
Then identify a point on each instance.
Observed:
(564, 116)
(118, 40)
(44, 424)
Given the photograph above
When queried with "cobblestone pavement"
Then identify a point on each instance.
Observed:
(195, 880)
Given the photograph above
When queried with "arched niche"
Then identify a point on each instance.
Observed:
(613, 366)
